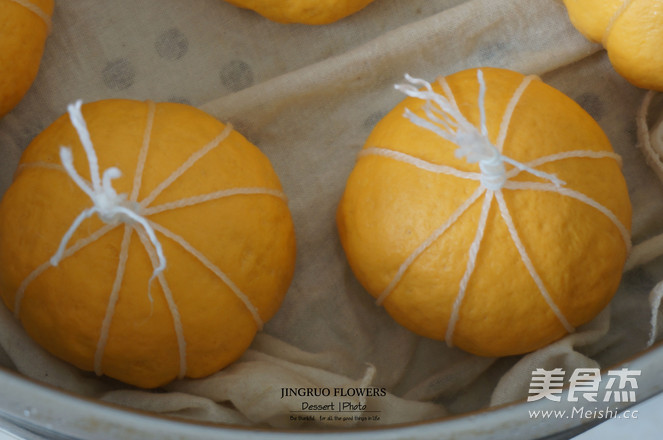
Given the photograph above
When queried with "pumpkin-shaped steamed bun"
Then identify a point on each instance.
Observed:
(24, 26)
(303, 11)
(488, 210)
(144, 241)
(630, 30)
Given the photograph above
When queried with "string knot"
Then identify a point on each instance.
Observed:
(476, 148)
(110, 207)
(493, 173)
(444, 118)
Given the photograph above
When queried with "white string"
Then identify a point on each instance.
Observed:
(124, 248)
(112, 301)
(456, 128)
(482, 104)
(38, 164)
(444, 114)
(80, 244)
(523, 167)
(448, 122)
(444, 169)
(618, 13)
(218, 272)
(109, 206)
(567, 192)
(504, 129)
(419, 163)
(114, 208)
(442, 81)
(37, 11)
(510, 108)
(194, 200)
(186, 165)
(142, 155)
(471, 144)
(524, 256)
(172, 306)
(78, 121)
(429, 241)
(575, 154)
(469, 269)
